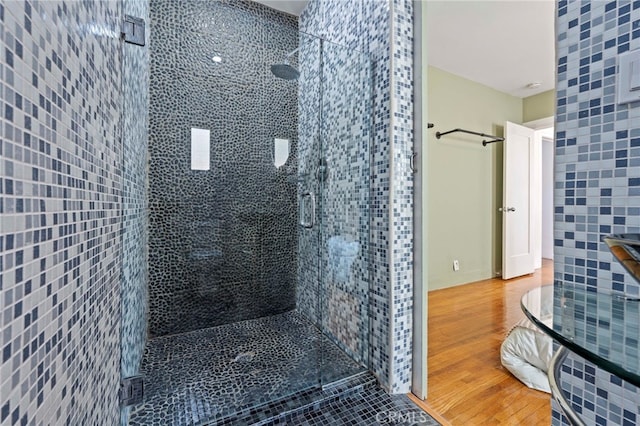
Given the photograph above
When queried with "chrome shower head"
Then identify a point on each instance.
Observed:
(285, 71)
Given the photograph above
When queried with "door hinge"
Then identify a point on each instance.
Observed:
(131, 391)
(133, 30)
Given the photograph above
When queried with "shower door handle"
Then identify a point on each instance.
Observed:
(303, 208)
(412, 162)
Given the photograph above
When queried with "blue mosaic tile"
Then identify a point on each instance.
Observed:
(371, 407)
(62, 174)
(595, 183)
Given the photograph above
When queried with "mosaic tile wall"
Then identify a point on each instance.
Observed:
(135, 122)
(223, 242)
(597, 159)
(61, 179)
(383, 29)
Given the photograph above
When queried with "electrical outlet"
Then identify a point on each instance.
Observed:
(456, 265)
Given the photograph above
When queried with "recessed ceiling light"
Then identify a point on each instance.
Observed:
(216, 59)
(534, 85)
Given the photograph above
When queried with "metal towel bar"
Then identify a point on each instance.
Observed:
(484, 135)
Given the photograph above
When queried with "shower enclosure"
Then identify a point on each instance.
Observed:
(259, 196)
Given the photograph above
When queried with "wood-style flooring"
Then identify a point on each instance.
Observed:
(467, 385)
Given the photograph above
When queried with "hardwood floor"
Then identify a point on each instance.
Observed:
(467, 385)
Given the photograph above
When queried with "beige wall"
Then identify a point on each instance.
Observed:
(464, 181)
(539, 106)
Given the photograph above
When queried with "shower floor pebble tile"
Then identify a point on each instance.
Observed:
(208, 375)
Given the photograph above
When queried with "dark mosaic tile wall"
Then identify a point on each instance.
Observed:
(597, 159)
(384, 30)
(371, 407)
(135, 122)
(223, 242)
(61, 179)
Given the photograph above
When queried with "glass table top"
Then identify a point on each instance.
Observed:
(603, 328)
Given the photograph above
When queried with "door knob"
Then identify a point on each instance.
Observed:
(507, 209)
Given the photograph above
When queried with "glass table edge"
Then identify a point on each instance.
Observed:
(596, 359)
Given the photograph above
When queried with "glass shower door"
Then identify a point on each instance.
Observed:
(343, 176)
(333, 195)
(259, 260)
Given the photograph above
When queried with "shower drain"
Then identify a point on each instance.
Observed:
(244, 357)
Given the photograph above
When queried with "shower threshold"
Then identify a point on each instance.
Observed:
(241, 370)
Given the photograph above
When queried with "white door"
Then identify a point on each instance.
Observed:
(517, 222)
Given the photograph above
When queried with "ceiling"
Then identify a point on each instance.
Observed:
(504, 44)
(293, 7)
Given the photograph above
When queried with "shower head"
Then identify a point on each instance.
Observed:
(285, 71)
